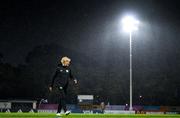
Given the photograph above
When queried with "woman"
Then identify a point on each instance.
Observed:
(60, 81)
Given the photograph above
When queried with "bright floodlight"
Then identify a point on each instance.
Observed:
(130, 24)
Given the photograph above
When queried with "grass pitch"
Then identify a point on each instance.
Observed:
(50, 115)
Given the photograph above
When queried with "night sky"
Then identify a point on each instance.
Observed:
(88, 26)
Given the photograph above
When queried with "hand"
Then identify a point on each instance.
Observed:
(50, 88)
(75, 81)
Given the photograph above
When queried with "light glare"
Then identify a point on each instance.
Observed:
(130, 24)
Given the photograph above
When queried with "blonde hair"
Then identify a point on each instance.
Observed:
(63, 59)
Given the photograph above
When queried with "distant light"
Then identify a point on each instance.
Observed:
(126, 104)
(130, 24)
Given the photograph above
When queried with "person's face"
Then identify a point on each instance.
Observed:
(66, 63)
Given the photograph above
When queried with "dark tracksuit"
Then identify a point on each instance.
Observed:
(60, 81)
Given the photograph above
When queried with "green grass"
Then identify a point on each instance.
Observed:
(50, 115)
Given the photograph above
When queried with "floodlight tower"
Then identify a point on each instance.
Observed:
(130, 24)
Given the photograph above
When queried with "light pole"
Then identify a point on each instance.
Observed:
(130, 25)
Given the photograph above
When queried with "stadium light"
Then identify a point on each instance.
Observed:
(130, 24)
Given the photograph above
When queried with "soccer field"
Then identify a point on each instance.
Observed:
(48, 115)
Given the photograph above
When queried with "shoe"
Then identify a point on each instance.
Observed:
(67, 112)
(58, 114)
